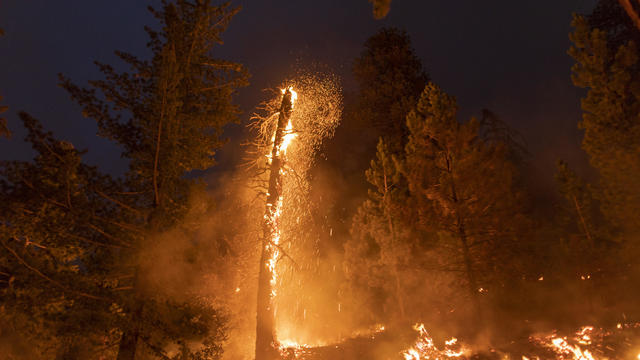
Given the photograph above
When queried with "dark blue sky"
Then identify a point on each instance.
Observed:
(508, 56)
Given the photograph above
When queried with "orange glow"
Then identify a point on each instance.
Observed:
(424, 347)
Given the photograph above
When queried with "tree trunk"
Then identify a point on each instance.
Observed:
(466, 254)
(129, 339)
(131, 334)
(265, 316)
(392, 232)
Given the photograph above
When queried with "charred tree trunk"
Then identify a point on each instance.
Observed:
(265, 317)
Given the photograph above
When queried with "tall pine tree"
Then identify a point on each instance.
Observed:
(175, 105)
(450, 203)
(607, 65)
(86, 235)
(606, 54)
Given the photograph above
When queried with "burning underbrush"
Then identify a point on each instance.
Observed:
(587, 343)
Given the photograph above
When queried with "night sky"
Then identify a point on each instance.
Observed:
(508, 56)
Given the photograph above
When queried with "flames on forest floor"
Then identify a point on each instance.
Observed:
(290, 349)
(588, 343)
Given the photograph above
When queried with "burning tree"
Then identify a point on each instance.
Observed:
(289, 134)
(265, 316)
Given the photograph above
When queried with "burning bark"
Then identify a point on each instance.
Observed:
(265, 321)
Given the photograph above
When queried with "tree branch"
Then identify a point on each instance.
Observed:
(42, 275)
(628, 7)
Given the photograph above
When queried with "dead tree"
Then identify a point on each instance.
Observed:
(265, 317)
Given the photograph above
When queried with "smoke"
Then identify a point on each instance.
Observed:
(213, 254)
(211, 259)
(12, 345)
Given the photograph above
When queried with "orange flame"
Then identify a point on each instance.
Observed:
(424, 347)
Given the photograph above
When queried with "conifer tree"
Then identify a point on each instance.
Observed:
(610, 119)
(380, 245)
(605, 50)
(390, 78)
(580, 200)
(463, 186)
(176, 104)
(53, 248)
(167, 113)
(450, 203)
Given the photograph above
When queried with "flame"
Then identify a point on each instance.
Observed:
(290, 348)
(274, 245)
(424, 347)
(561, 346)
(287, 137)
(294, 94)
(579, 347)
(566, 350)
(298, 137)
